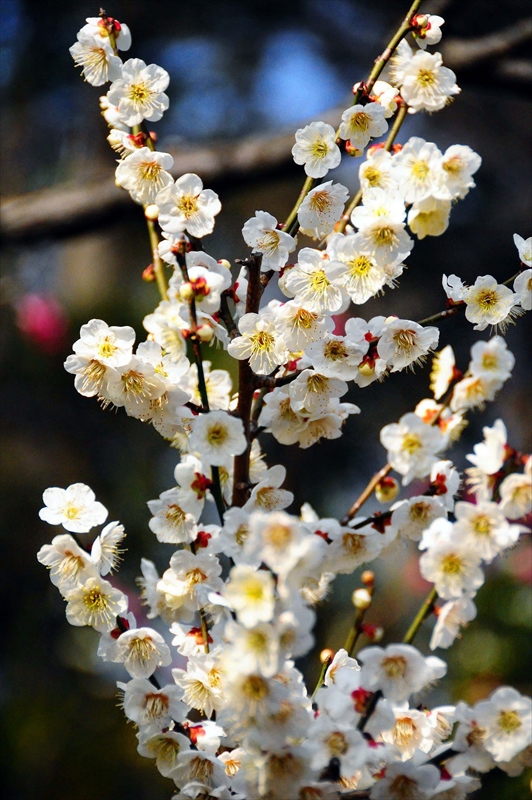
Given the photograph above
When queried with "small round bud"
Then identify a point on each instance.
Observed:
(148, 274)
(368, 578)
(366, 369)
(361, 599)
(420, 21)
(373, 632)
(326, 655)
(186, 291)
(205, 333)
(353, 151)
(151, 212)
(386, 490)
(223, 262)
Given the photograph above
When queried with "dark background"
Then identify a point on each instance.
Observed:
(237, 69)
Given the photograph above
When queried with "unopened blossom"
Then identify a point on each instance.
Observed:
(506, 719)
(313, 283)
(109, 345)
(429, 217)
(490, 303)
(443, 371)
(416, 169)
(359, 274)
(251, 593)
(455, 173)
(376, 172)
(427, 85)
(452, 616)
(140, 650)
(453, 567)
(101, 27)
(405, 780)
(75, 508)
(322, 208)
(172, 522)
(139, 92)
(68, 563)
(217, 436)
(267, 495)
(144, 173)
(524, 248)
(300, 327)
(398, 670)
(203, 286)
(106, 551)
(427, 29)
(404, 343)
(186, 206)
(95, 603)
(454, 288)
(523, 289)
(96, 59)
(262, 234)
(492, 359)
(316, 149)
(311, 391)
(516, 493)
(412, 446)
(361, 123)
(259, 342)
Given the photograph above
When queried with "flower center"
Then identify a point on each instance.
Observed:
(316, 383)
(411, 443)
(304, 319)
(279, 536)
(487, 299)
(384, 237)
(96, 603)
(195, 576)
(405, 340)
(156, 705)
(319, 148)
(149, 170)
(187, 205)
(106, 349)
(141, 650)
(319, 282)
(394, 666)
(359, 267)
(373, 176)
(335, 350)
(420, 169)
(404, 788)
(139, 93)
(482, 525)
(360, 121)
(175, 515)
(255, 687)
(453, 166)
(320, 201)
(262, 342)
(426, 78)
(509, 721)
(404, 731)
(71, 511)
(217, 435)
(337, 744)
(452, 564)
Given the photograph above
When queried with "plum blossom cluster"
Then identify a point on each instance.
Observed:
(211, 682)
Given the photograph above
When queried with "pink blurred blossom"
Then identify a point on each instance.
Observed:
(43, 321)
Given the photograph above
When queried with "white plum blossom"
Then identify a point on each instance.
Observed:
(452, 616)
(322, 208)
(267, 495)
(416, 169)
(108, 345)
(492, 359)
(452, 566)
(316, 149)
(151, 708)
(311, 392)
(141, 650)
(360, 123)
(68, 563)
(426, 84)
(217, 436)
(376, 172)
(523, 289)
(313, 285)
(175, 517)
(75, 508)
(300, 327)
(262, 234)
(144, 173)
(516, 493)
(96, 58)
(95, 603)
(412, 446)
(489, 303)
(404, 343)
(398, 670)
(139, 93)
(360, 275)
(186, 206)
(429, 217)
(427, 30)
(336, 356)
(506, 719)
(105, 550)
(524, 248)
(411, 517)
(260, 342)
(456, 169)
(484, 528)
(251, 593)
(443, 371)
(406, 780)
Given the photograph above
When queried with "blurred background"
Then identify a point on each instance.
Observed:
(244, 75)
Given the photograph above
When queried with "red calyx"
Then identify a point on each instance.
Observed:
(202, 539)
(200, 484)
(360, 699)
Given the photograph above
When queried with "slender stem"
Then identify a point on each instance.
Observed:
(366, 494)
(421, 616)
(158, 266)
(321, 678)
(291, 224)
(394, 130)
(372, 705)
(448, 312)
(355, 631)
